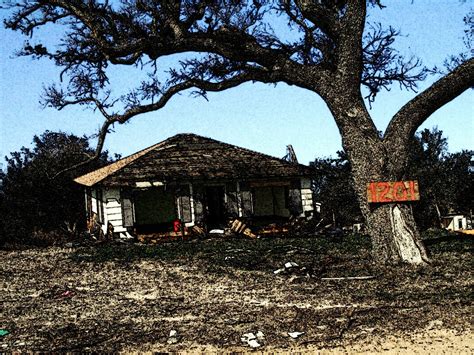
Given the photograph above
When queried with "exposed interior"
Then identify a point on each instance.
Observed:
(155, 208)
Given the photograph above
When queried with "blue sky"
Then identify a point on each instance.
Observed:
(256, 116)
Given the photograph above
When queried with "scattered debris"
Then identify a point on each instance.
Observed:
(126, 236)
(4, 332)
(295, 335)
(241, 228)
(273, 228)
(435, 324)
(290, 264)
(173, 337)
(277, 271)
(66, 294)
(155, 238)
(287, 267)
(252, 340)
(198, 231)
(254, 344)
(216, 231)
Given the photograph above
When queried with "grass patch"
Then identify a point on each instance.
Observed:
(250, 254)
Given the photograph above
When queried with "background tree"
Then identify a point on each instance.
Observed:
(446, 180)
(333, 189)
(328, 49)
(32, 198)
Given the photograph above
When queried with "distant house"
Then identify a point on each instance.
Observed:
(454, 222)
(196, 180)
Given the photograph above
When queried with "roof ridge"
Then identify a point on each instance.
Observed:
(252, 151)
(100, 174)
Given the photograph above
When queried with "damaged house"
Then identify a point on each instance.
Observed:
(196, 181)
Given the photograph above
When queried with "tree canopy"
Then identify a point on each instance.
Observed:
(327, 44)
(33, 198)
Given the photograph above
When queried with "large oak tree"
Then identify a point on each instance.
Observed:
(328, 48)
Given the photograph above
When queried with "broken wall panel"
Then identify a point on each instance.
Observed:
(127, 208)
(246, 202)
(295, 204)
(270, 201)
(307, 196)
(112, 204)
(184, 203)
(198, 203)
(232, 199)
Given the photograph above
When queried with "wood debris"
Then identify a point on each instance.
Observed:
(241, 228)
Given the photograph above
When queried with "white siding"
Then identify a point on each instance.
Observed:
(306, 195)
(113, 210)
(94, 200)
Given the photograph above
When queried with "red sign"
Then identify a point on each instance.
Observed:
(399, 191)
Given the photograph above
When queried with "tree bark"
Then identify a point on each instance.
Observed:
(395, 237)
(394, 234)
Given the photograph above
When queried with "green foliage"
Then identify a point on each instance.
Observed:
(333, 188)
(446, 179)
(36, 201)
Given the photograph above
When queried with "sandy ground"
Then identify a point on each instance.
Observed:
(95, 299)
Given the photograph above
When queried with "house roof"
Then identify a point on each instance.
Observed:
(191, 157)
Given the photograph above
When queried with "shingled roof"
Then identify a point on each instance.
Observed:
(192, 157)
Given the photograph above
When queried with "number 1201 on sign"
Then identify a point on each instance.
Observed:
(399, 191)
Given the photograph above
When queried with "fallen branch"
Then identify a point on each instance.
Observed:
(348, 278)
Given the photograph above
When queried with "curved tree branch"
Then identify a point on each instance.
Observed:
(406, 121)
(98, 150)
(165, 97)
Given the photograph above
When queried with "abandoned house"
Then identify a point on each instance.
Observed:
(196, 181)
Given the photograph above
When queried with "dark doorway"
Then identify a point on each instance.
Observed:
(215, 206)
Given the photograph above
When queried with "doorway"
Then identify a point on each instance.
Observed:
(215, 206)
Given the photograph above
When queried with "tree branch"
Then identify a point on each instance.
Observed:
(98, 151)
(192, 83)
(349, 61)
(165, 97)
(404, 124)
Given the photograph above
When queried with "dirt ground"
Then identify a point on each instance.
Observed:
(211, 292)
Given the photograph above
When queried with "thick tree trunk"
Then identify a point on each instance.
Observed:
(391, 226)
(395, 237)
